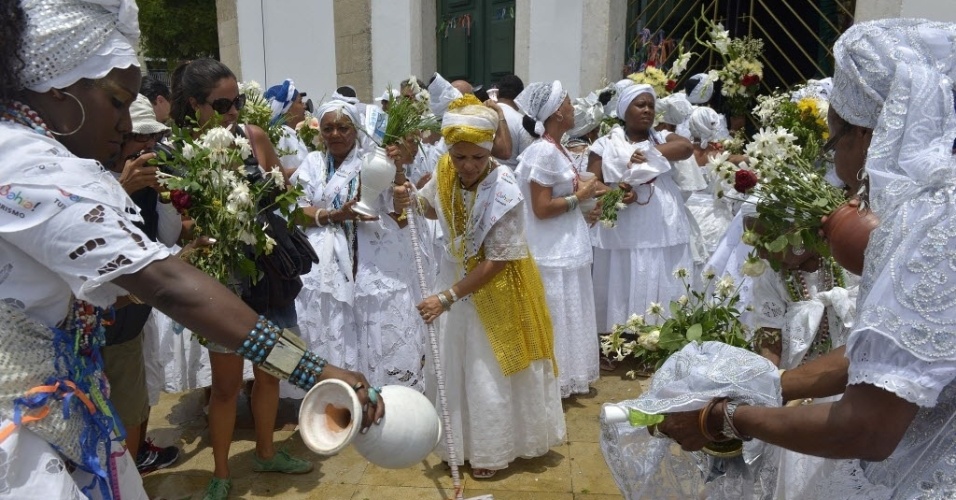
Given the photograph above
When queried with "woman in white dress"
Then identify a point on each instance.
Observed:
(558, 234)
(330, 180)
(896, 422)
(496, 341)
(635, 261)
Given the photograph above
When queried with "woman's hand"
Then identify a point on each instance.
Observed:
(137, 174)
(401, 197)
(371, 412)
(430, 309)
(592, 217)
(587, 189)
(630, 194)
(684, 427)
(401, 153)
(346, 213)
(494, 105)
(638, 157)
(195, 245)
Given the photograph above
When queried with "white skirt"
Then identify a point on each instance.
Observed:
(495, 418)
(627, 281)
(570, 296)
(391, 338)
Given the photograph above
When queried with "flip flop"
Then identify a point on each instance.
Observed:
(608, 364)
(483, 473)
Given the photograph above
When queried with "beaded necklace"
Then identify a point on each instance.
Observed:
(18, 112)
(350, 191)
(462, 216)
(798, 291)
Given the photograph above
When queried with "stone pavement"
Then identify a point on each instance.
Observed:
(573, 470)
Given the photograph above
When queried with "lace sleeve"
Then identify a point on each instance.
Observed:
(505, 240)
(877, 360)
(545, 165)
(769, 303)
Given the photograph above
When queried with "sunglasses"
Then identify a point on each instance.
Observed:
(223, 105)
(158, 136)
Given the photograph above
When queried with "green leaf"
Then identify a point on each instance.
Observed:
(778, 244)
(641, 419)
(675, 308)
(695, 332)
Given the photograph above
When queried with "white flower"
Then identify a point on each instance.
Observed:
(750, 238)
(276, 176)
(649, 341)
(217, 138)
(680, 64)
(682, 300)
(247, 238)
(188, 151)
(709, 274)
(607, 223)
(250, 87)
(620, 206)
(655, 309)
(753, 267)
(724, 286)
(239, 199)
(245, 147)
(681, 272)
(270, 244)
(635, 321)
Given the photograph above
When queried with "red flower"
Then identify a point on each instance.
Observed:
(744, 180)
(671, 85)
(650, 64)
(180, 199)
(750, 80)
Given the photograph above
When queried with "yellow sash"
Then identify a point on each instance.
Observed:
(512, 305)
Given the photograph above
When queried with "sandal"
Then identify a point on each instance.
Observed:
(483, 473)
(607, 364)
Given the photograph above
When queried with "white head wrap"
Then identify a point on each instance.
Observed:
(68, 40)
(540, 100)
(819, 89)
(144, 118)
(588, 113)
(389, 94)
(674, 109)
(339, 97)
(896, 76)
(705, 125)
(631, 92)
(463, 123)
(280, 98)
(441, 94)
(703, 90)
(346, 108)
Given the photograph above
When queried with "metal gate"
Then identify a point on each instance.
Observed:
(798, 35)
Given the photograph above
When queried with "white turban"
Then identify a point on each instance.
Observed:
(588, 113)
(343, 107)
(705, 125)
(674, 109)
(629, 93)
(441, 94)
(68, 40)
(703, 89)
(540, 100)
(336, 96)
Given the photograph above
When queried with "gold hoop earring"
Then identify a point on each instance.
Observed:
(82, 118)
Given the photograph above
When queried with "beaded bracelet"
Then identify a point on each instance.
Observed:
(308, 371)
(260, 341)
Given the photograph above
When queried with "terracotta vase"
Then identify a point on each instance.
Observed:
(331, 415)
(847, 231)
(377, 175)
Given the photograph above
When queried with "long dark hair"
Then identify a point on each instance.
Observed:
(195, 79)
(13, 23)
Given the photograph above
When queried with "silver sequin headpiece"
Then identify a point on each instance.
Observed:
(62, 37)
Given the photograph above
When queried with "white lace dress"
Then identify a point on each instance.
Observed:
(391, 335)
(561, 248)
(325, 304)
(634, 262)
(496, 419)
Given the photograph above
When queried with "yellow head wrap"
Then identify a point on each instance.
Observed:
(467, 119)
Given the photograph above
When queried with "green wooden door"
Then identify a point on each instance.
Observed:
(476, 39)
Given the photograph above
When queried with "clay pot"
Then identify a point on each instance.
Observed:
(847, 231)
(377, 175)
(331, 415)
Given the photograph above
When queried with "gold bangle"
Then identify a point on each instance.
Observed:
(134, 299)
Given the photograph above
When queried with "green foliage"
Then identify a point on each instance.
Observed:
(179, 30)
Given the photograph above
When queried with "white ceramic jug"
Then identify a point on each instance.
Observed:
(377, 175)
(331, 415)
